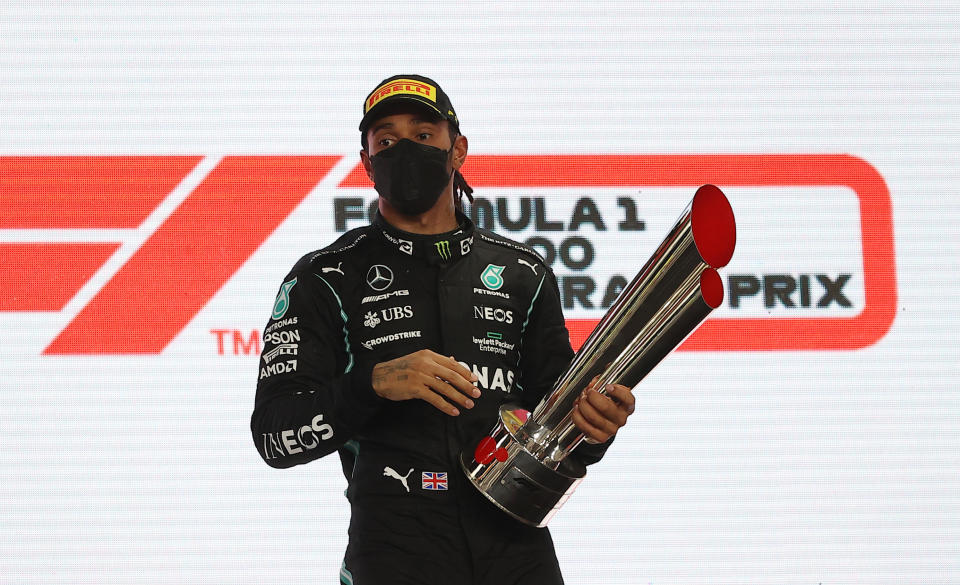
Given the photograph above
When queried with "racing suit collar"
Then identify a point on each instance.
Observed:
(434, 248)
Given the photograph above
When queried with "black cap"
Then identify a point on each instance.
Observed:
(413, 88)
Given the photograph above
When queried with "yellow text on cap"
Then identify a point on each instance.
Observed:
(401, 86)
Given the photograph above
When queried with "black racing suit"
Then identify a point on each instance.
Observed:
(379, 293)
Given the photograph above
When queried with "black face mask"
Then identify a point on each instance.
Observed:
(411, 176)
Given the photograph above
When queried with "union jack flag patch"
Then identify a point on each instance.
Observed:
(434, 480)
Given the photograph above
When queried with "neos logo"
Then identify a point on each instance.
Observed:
(493, 314)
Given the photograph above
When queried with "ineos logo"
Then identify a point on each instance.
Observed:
(379, 277)
(493, 314)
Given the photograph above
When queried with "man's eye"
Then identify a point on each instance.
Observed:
(385, 142)
(424, 136)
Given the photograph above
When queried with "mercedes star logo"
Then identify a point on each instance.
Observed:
(379, 277)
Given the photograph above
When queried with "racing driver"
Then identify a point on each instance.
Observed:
(395, 346)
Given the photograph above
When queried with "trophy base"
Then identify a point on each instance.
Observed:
(513, 479)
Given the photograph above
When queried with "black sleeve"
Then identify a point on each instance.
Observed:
(546, 353)
(311, 396)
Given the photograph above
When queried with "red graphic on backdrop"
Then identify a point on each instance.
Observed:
(180, 266)
(143, 307)
(78, 192)
(45, 276)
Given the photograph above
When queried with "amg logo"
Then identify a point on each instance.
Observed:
(396, 293)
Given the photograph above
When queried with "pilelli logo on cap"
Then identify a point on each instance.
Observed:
(401, 86)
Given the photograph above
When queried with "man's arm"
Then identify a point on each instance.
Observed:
(311, 396)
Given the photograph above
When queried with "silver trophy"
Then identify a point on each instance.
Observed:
(522, 465)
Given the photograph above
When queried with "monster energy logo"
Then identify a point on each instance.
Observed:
(443, 248)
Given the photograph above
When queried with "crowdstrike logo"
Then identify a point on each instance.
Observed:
(120, 219)
(372, 343)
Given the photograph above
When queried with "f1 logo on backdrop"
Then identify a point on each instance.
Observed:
(176, 270)
(196, 248)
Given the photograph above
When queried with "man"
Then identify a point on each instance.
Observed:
(396, 345)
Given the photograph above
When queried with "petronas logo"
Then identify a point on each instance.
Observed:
(490, 277)
(443, 248)
(282, 303)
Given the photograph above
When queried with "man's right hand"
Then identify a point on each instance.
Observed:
(427, 375)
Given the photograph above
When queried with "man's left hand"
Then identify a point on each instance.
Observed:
(599, 417)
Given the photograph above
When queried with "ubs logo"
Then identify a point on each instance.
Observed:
(371, 319)
(379, 277)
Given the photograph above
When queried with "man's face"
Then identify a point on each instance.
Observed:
(417, 124)
(412, 123)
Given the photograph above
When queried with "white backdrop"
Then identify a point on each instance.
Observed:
(785, 451)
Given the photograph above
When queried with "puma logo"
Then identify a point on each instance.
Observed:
(527, 264)
(389, 472)
(327, 269)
